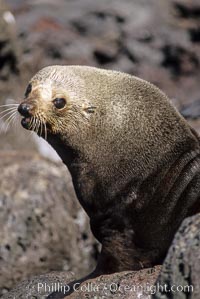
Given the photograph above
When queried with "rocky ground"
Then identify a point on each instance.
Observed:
(43, 227)
(156, 40)
(124, 285)
(181, 268)
(178, 279)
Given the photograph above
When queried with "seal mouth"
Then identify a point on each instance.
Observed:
(26, 123)
(35, 124)
(33, 120)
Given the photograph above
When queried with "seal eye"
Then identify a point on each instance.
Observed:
(59, 103)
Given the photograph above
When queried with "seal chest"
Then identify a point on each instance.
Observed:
(134, 160)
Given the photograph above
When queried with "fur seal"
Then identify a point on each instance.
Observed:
(134, 160)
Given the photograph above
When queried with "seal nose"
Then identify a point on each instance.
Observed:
(25, 109)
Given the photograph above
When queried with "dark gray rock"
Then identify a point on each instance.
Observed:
(180, 275)
(43, 228)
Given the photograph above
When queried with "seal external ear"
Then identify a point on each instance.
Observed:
(90, 109)
(28, 90)
(134, 160)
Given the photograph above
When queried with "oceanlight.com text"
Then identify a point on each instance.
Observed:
(113, 288)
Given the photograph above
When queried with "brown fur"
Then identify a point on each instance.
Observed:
(134, 160)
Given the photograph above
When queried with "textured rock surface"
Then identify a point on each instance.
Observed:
(43, 228)
(181, 269)
(124, 285)
(39, 287)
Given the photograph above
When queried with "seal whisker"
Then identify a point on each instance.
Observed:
(31, 122)
(31, 126)
(15, 122)
(45, 129)
(7, 105)
(41, 127)
(15, 119)
(7, 113)
(37, 126)
(10, 119)
(43, 124)
(34, 124)
(38, 129)
(10, 116)
(6, 110)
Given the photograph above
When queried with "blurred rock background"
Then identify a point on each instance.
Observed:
(156, 40)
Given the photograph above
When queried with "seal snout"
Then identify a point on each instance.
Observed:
(25, 109)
